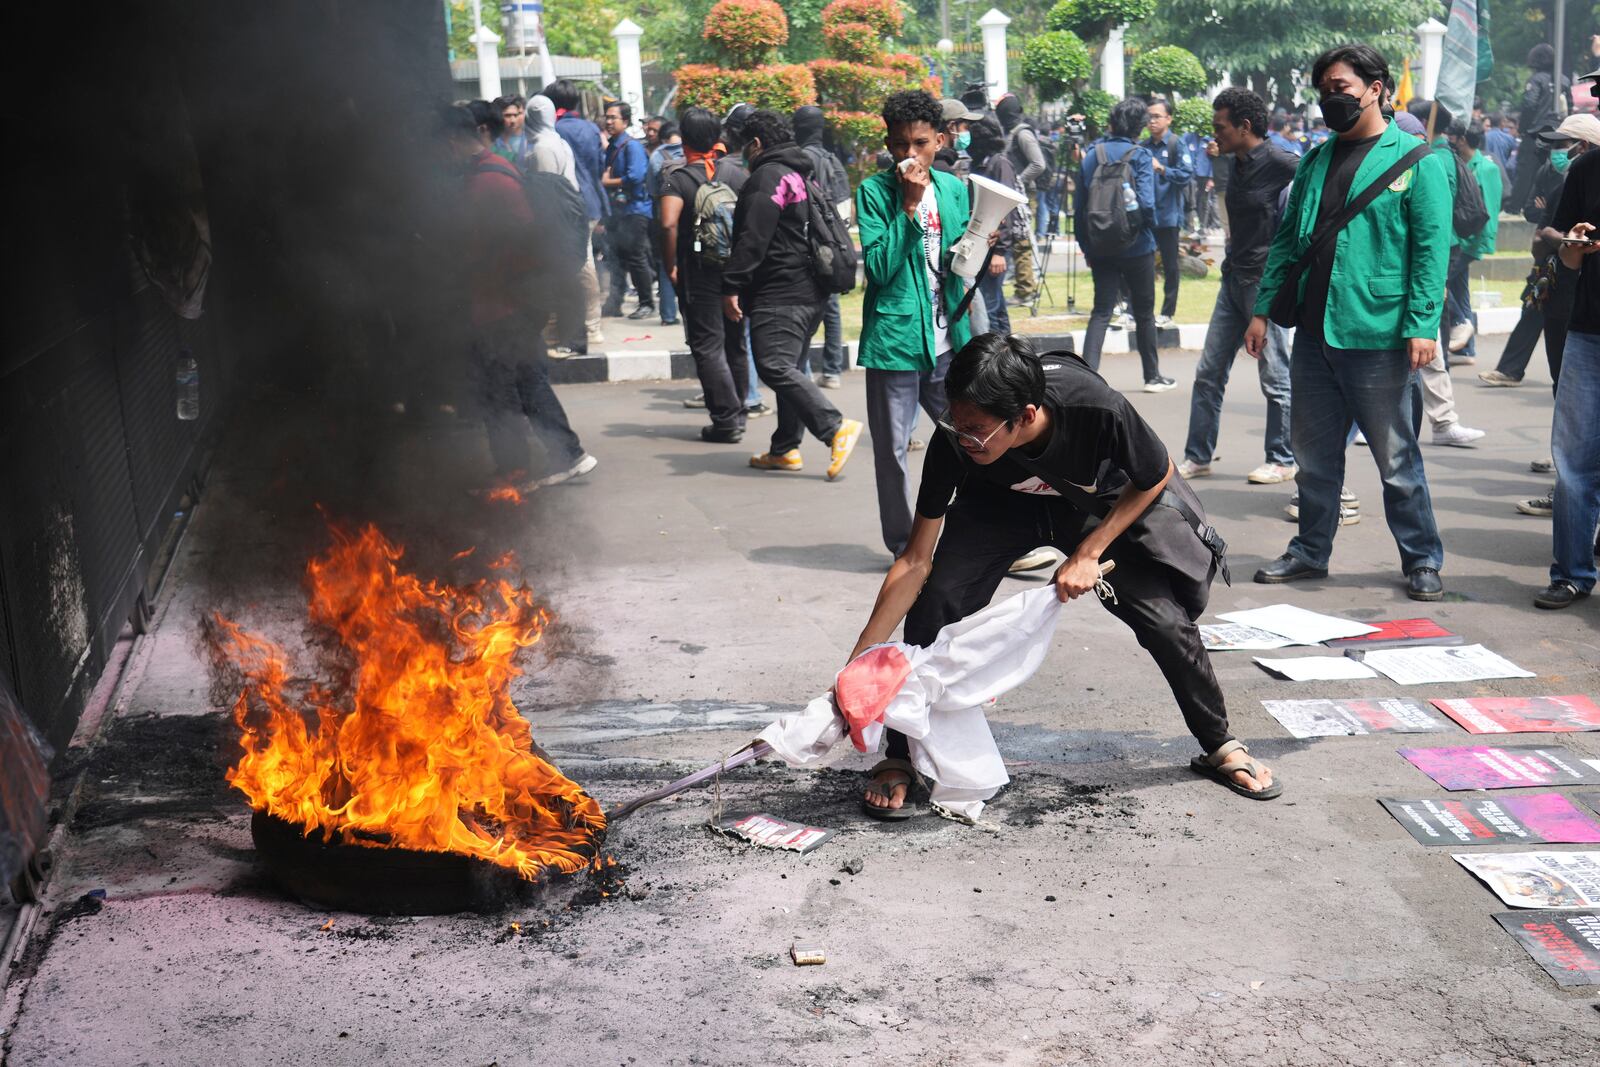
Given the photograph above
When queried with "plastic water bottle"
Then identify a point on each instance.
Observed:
(188, 386)
(1130, 202)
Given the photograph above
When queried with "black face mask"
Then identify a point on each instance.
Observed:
(1341, 111)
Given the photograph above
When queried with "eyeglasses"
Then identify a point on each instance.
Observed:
(970, 442)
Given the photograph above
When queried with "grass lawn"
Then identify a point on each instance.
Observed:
(1196, 297)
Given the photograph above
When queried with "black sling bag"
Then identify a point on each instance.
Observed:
(1286, 301)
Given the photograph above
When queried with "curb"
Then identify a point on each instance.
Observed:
(676, 364)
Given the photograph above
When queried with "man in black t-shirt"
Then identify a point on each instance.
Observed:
(1575, 433)
(1040, 450)
(721, 361)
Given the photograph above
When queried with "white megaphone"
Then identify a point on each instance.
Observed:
(991, 203)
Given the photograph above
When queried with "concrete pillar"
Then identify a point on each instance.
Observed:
(630, 71)
(488, 62)
(994, 26)
(1113, 65)
(1430, 37)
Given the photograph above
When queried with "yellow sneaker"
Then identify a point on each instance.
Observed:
(844, 443)
(766, 461)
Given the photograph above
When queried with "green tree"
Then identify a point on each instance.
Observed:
(1054, 62)
(1257, 41)
(1168, 70)
(1094, 19)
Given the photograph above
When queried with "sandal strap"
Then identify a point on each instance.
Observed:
(905, 767)
(1220, 756)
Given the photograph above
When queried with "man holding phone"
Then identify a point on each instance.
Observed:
(1575, 432)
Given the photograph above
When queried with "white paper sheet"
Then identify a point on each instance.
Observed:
(1538, 879)
(1317, 668)
(1231, 637)
(1435, 663)
(1299, 625)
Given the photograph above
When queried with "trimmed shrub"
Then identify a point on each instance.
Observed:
(748, 30)
(1193, 116)
(885, 16)
(1093, 19)
(853, 41)
(1169, 70)
(1094, 105)
(854, 86)
(910, 67)
(860, 128)
(1054, 62)
(781, 87)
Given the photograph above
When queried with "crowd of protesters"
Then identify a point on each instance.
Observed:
(1352, 295)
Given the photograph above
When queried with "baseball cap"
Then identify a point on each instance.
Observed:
(736, 116)
(956, 111)
(1573, 128)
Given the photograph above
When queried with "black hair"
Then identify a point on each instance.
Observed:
(486, 115)
(1280, 121)
(669, 130)
(1542, 57)
(457, 120)
(1161, 100)
(509, 100)
(988, 139)
(996, 373)
(561, 94)
(1473, 136)
(1244, 108)
(1497, 119)
(912, 105)
(1420, 110)
(733, 135)
(700, 129)
(768, 127)
(623, 108)
(1128, 117)
(1365, 60)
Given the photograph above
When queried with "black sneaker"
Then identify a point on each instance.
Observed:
(757, 411)
(1559, 594)
(717, 436)
(643, 311)
(1424, 584)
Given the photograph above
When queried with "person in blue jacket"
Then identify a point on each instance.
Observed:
(1174, 168)
(1200, 186)
(1133, 266)
(583, 137)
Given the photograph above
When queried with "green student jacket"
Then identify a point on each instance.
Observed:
(1389, 263)
(1487, 172)
(897, 315)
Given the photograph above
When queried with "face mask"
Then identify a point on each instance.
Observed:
(1560, 160)
(1341, 111)
(963, 140)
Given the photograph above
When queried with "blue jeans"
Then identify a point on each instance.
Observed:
(1229, 320)
(1458, 303)
(892, 400)
(833, 357)
(1575, 446)
(669, 295)
(1378, 389)
(752, 397)
(992, 291)
(1049, 208)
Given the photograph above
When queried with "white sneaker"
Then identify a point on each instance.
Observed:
(1540, 506)
(1547, 465)
(1038, 559)
(1495, 378)
(1270, 474)
(1348, 499)
(1456, 436)
(1360, 439)
(1163, 320)
(1190, 469)
(831, 381)
(584, 465)
(597, 336)
(1460, 334)
(1348, 516)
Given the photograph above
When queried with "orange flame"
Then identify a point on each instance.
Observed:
(505, 494)
(418, 745)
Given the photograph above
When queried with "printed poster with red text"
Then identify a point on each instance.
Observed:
(1523, 715)
(1502, 766)
(1535, 819)
(1565, 943)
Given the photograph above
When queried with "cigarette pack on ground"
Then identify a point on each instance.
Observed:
(769, 831)
(807, 955)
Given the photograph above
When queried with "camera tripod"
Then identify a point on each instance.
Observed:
(1051, 233)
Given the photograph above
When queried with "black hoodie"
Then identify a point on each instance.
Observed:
(771, 261)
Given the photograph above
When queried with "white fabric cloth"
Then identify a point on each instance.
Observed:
(932, 245)
(940, 705)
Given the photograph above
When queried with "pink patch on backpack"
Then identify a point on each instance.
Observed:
(791, 190)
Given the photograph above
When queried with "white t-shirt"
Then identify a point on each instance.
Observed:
(932, 250)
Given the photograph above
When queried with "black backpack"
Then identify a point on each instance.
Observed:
(833, 254)
(559, 213)
(1469, 214)
(1110, 226)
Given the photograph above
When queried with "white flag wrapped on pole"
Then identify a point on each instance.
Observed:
(1458, 69)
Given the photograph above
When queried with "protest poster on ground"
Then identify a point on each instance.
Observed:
(1590, 799)
(1565, 943)
(1433, 664)
(1519, 715)
(1537, 819)
(1399, 633)
(1346, 718)
(1316, 668)
(1231, 637)
(1502, 766)
(1297, 624)
(1538, 879)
